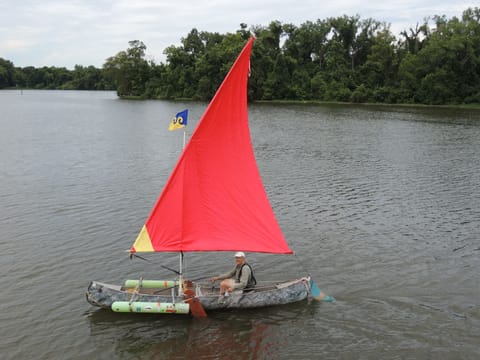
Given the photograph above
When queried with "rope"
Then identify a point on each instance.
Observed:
(150, 262)
(301, 264)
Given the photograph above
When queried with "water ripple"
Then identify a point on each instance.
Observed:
(381, 205)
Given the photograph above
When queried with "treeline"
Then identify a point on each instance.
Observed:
(338, 59)
(81, 78)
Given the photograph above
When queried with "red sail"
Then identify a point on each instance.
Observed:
(214, 200)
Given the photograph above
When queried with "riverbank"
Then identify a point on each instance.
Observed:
(473, 106)
(325, 103)
(315, 102)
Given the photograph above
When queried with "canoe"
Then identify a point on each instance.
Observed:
(263, 295)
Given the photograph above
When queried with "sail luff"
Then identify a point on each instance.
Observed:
(214, 199)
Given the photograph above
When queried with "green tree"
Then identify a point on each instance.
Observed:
(86, 78)
(447, 67)
(415, 39)
(216, 63)
(129, 70)
(378, 73)
(306, 49)
(271, 72)
(7, 71)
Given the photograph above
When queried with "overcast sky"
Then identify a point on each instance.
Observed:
(86, 32)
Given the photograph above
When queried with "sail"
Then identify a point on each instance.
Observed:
(214, 199)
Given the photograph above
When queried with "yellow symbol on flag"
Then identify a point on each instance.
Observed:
(179, 121)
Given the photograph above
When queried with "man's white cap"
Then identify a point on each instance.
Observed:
(240, 254)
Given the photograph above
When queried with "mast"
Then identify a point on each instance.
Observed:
(180, 277)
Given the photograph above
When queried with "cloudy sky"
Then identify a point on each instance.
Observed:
(86, 32)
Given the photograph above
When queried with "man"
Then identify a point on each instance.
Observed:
(241, 277)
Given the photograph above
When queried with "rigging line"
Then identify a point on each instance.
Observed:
(172, 270)
(302, 264)
(297, 258)
(140, 257)
(150, 262)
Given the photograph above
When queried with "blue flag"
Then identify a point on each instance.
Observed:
(179, 121)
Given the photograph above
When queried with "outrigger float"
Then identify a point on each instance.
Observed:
(214, 200)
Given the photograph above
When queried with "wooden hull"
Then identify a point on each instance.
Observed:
(104, 295)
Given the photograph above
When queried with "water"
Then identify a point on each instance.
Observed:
(382, 206)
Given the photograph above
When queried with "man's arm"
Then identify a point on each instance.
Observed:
(227, 275)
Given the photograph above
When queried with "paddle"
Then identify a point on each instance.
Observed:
(319, 295)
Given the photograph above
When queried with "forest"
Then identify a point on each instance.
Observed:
(340, 59)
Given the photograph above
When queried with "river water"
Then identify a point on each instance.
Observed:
(380, 204)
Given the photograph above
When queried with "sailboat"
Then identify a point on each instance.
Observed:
(214, 200)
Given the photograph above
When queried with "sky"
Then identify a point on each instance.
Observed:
(64, 33)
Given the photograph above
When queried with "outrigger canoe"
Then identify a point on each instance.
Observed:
(157, 296)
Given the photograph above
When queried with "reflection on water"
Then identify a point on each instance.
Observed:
(380, 204)
(237, 335)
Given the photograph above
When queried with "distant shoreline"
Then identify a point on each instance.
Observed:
(282, 102)
(317, 102)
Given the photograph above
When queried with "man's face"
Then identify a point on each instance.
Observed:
(239, 260)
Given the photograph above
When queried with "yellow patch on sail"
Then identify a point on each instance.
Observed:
(143, 242)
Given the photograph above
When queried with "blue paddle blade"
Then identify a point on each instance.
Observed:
(317, 294)
(328, 298)
(314, 290)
